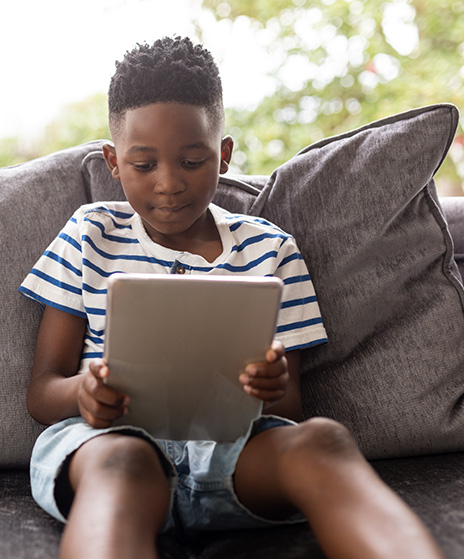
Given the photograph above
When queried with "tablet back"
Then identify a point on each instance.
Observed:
(177, 344)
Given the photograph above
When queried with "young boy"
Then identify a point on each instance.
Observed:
(117, 487)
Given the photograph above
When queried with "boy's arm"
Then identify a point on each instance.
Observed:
(276, 382)
(56, 392)
(53, 388)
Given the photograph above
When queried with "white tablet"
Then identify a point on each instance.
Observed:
(177, 344)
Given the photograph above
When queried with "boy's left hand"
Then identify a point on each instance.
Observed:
(267, 381)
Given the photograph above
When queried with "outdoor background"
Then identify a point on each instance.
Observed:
(293, 71)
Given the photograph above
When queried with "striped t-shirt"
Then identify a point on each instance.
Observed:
(104, 238)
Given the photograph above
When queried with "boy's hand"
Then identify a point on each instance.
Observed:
(267, 381)
(98, 403)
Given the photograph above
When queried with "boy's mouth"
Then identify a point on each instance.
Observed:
(172, 209)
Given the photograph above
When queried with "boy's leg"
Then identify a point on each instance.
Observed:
(121, 500)
(316, 467)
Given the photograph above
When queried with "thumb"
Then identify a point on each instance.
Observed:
(276, 351)
(99, 369)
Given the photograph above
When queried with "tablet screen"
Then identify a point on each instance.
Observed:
(177, 344)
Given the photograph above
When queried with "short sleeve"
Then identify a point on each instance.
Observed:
(56, 278)
(300, 323)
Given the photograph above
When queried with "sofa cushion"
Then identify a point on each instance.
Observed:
(453, 208)
(36, 199)
(364, 211)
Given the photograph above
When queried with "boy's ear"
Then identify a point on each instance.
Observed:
(227, 146)
(109, 153)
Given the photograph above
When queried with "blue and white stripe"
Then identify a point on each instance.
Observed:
(105, 238)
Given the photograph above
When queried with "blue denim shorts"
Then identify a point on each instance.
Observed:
(200, 473)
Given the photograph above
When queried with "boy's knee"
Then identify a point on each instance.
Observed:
(328, 435)
(319, 440)
(124, 456)
(131, 456)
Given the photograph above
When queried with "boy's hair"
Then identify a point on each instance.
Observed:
(172, 70)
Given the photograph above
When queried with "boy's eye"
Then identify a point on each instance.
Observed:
(144, 166)
(192, 164)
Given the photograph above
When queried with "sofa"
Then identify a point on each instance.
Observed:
(386, 255)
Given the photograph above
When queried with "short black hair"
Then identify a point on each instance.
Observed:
(172, 70)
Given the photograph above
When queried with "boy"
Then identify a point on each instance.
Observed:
(117, 487)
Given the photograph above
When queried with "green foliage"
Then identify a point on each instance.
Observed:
(351, 65)
(75, 124)
(337, 64)
(78, 123)
(12, 153)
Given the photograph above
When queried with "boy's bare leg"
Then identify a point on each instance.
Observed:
(317, 468)
(121, 500)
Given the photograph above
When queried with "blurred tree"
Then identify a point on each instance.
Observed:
(335, 65)
(78, 123)
(12, 153)
(75, 124)
(339, 64)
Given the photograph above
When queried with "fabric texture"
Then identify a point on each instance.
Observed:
(363, 209)
(453, 209)
(36, 199)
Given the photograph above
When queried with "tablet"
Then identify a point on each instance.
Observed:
(177, 344)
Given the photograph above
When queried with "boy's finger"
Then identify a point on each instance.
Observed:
(99, 368)
(266, 370)
(95, 389)
(276, 351)
(101, 420)
(109, 410)
(267, 383)
(269, 396)
(109, 396)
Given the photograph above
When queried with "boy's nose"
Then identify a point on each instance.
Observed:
(168, 181)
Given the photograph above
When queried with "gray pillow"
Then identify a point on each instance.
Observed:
(364, 211)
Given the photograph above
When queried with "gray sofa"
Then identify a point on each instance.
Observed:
(386, 256)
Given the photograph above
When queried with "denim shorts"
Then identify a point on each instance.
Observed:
(200, 474)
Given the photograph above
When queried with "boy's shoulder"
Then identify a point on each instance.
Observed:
(115, 211)
(251, 222)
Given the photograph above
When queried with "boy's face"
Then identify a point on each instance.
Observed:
(168, 158)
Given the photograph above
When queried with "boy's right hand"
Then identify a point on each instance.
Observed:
(99, 404)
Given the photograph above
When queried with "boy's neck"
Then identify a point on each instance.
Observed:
(202, 239)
